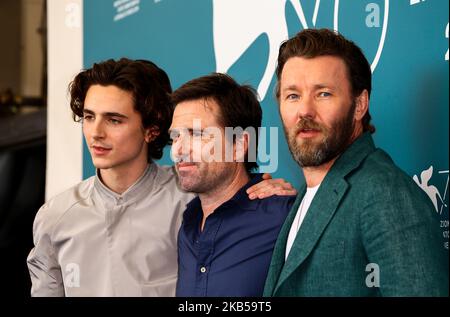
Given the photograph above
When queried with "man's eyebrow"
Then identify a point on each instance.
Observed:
(322, 86)
(106, 114)
(315, 87)
(114, 114)
(88, 111)
(290, 87)
(190, 130)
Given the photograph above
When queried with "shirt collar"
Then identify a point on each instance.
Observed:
(143, 185)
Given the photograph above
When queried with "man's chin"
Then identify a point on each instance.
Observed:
(310, 157)
(101, 165)
(317, 160)
(311, 144)
(187, 184)
(190, 188)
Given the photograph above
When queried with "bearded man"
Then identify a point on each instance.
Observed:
(360, 226)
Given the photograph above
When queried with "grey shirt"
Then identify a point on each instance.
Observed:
(90, 241)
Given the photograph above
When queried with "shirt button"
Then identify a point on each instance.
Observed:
(203, 269)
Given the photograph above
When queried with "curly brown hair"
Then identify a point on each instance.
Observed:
(149, 85)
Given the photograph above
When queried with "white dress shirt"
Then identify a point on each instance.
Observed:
(301, 213)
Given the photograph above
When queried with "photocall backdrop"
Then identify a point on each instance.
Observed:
(406, 42)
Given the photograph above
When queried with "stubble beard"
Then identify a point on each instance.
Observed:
(202, 181)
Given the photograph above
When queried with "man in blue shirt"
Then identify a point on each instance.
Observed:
(226, 240)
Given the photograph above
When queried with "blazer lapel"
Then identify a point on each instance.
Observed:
(279, 250)
(320, 213)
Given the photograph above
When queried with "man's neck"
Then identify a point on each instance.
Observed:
(314, 175)
(119, 180)
(217, 196)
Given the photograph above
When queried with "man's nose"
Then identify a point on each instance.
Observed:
(306, 108)
(181, 146)
(98, 130)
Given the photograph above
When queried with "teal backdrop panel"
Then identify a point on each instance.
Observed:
(406, 42)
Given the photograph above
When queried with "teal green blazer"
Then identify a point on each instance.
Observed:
(370, 231)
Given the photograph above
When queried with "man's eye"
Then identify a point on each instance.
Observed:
(292, 97)
(324, 94)
(115, 121)
(88, 117)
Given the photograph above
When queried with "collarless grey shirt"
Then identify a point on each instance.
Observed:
(91, 241)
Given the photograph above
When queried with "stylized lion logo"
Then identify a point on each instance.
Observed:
(431, 190)
(237, 24)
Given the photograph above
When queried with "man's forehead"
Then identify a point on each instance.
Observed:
(320, 72)
(188, 112)
(108, 99)
(324, 65)
(199, 106)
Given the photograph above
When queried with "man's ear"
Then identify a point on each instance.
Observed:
(241, 147)
(362, 105)
(151, 133)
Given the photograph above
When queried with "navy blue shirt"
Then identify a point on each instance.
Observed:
(231, 256)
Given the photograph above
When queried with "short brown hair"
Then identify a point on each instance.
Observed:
(311, 43)
(149, 85)
(238, 104)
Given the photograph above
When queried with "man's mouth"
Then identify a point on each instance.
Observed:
(185, 166)
(100, 150)
(307, 132)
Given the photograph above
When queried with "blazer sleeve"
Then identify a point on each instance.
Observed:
(45, 272)
(401, 235)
